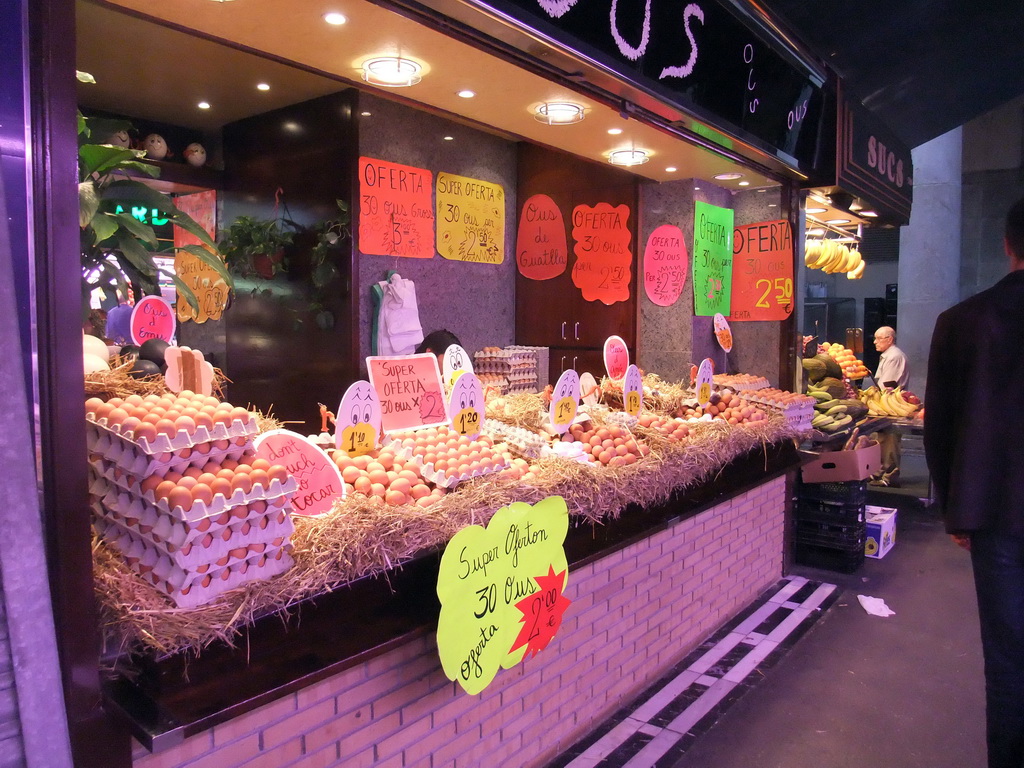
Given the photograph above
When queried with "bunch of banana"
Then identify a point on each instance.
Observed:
(889, 403)
(831, 257)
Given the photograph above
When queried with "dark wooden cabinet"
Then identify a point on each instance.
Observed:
(553, 313)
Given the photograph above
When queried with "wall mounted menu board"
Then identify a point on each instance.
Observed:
(712, 258)
(762, 273)
(541, 249)
(706, 57)
(210, 289)
(396, 209)
(470, 219)
(603, 258)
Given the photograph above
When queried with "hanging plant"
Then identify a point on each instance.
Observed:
(256, 247)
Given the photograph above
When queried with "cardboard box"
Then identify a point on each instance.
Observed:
(844, 466)
(881, 531)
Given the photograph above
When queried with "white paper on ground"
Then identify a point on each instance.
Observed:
(875, 606)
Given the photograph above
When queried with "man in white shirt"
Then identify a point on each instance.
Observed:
(892, 372)
(892, 367)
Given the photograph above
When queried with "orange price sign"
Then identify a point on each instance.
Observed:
(603, 259)
(541, 250)
(396, 209)
(762, 276)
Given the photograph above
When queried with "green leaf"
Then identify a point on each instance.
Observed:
(185, 292)
(212, 260)
(136, 255)
(99, 158)
(190, 225)
(104, 226)
(141, 168)
(142, 231)
(88, 203)
(85, 77)
(83, 126)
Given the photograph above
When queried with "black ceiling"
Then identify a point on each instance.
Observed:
(923, 66)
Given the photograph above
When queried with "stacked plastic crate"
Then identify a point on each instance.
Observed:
(830, 525)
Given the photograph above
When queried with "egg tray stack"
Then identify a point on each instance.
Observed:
(523, 442)
(740, 381)
(798, 413)
(517, 366)
(191, 549)
(446, 458)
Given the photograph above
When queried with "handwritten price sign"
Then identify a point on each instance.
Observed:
(152, 318)
(357, 425)
(470, 219)
(410, 391)
(665, 265)
(616, 357)
(466, 405)
(210, 289)
(705, 377)
(712, 259)
(762, 275)
(541, 250)
(396, 212)
(318, 477)
(502, 591)
(633, 391)
(603, 258)
(565, 400)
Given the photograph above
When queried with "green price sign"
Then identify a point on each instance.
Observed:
(712, 259)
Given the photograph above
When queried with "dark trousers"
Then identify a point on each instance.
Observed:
(998, 562)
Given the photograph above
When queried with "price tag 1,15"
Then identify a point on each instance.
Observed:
(565, 400)
(466, 405)
(705, 377)
(633, 391)
(357, 425)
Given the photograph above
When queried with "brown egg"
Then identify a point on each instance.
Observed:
(277, 472)
(241, 481)
(193, 472)
(259, 477)
(180, 497)
(202, 419)
(260, 464)
(164, 488)
(92, 404)
(240, 414)
(116, 416)
(166, 427)
(220, 485)
(202, 492)
(185, 423)
(187, 482)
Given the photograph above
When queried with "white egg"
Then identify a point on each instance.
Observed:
(94, 363)
(95, 346)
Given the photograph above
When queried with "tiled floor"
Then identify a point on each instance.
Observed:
(660, 726)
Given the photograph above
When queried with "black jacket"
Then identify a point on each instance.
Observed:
(974, 410)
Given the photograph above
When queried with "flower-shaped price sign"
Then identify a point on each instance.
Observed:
(502, 591)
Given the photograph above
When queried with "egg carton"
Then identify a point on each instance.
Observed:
(132, 505)
(620, 419)
(97, 428)
(130, 458)
(522, 441)
(569, 450)
(263, 531)
(190, 590)
(510, 354)
(740, 381)
(440, 478)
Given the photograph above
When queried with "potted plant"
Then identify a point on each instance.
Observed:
(256, 247)
(117, 248)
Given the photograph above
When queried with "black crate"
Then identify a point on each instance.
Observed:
(836, 535)
(853, 492)
(830, 512)
(828, 558)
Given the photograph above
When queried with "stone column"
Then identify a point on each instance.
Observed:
(929, 265)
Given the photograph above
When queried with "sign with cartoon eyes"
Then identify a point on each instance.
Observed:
(466, 405)
(357, 425)
(565, 399)
(633, 391)
(455, 360)
(705, 377)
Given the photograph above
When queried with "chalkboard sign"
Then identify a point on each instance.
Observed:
(699, 56)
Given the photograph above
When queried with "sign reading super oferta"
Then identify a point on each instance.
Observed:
(501, 590)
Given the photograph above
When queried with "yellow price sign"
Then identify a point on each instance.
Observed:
(467, 421)
(358, 439)
(633, 391)
(633, 403)
(565, 411)
(705, 377)
(501, 591)
(565, 400)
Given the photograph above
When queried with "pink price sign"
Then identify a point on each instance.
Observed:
(616, 357)
(318, 477)
(410, 391)
(152, 318)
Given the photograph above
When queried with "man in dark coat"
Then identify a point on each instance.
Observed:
(974, 443)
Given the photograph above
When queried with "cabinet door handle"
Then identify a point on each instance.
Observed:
(563, 329)
(574, 359)
(563, 362)
(576, 330)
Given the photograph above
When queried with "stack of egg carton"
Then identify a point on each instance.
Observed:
(193, 512)
(509, 370)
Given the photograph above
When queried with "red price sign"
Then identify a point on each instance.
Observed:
(616, 357)
(152, 318)
(603, 258)
(762, 276)
(396, 209)
(541, 250)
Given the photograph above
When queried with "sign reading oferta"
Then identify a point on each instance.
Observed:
(502, 591)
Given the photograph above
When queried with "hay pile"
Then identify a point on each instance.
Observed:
(362, 537)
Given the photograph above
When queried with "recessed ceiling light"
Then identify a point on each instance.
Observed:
(559, 113)
(696, 189)
(816, 210)
(744, 184)
(291, 127)
(869, 214)
(628, 157)
(449, 138)
(728, 176)
(467, 94)
(391, 71)
(816, 231)
(614, 131)
(262, 86)
(671, 169)
(772, 205)
(203, 105)
(366, 114)
(335, 19)
(837, 221)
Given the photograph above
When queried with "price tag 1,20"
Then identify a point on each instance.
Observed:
(705, 377)
(565, 399)
(466, 405)
(633, 391)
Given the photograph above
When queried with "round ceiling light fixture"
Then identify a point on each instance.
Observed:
(816, 210)
(837, 221)
(335, 19)
(391, 71)
(728, 176)
(559, 113)
(466, 94)
(628, 157)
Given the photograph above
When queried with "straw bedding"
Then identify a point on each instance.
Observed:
(362, 537)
